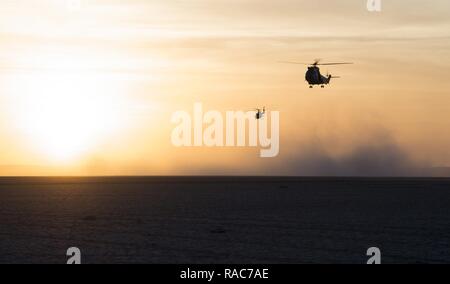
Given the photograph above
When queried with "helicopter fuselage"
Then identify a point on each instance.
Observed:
(260, 114)
(314, 77)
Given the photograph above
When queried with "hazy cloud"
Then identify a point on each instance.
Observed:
(385, 159)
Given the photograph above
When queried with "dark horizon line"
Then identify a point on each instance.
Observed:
(200, 178)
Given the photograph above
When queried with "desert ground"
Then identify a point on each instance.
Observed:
(224, 219)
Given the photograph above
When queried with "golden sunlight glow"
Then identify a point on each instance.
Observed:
(90, 90)
(65, 109)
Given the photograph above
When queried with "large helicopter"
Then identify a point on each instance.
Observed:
(313, 76)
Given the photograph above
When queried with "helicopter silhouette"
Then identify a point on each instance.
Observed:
(260, 114)
(313, 75)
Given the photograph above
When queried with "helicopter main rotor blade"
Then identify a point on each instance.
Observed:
(342, 63)
(290, 62)
(316, 63)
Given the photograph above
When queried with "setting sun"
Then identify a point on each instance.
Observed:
(64, 108)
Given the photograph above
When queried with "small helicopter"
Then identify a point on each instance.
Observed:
(260, 114)
(313, 76)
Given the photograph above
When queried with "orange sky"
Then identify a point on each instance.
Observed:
(91, 89)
